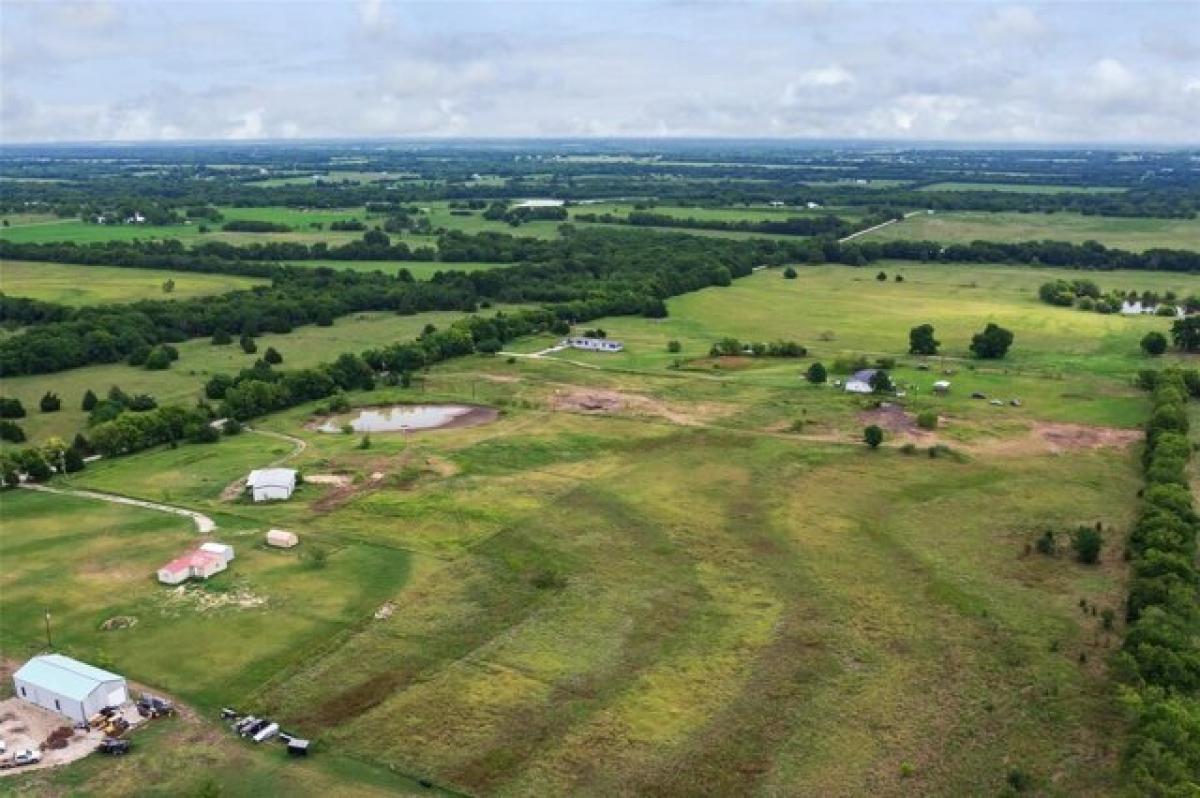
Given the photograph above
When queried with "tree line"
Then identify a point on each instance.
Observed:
(1160, 657)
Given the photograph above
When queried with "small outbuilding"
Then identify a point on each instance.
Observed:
(69, 687)
(281, 538)
(271, 484)
(860, 381)
(941, 387)
(211, 558)
(222, 549)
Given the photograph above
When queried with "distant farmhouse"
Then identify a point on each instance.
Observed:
(594, 344)
(1138, 309)
(860, 381)
(68, 686)
(271, 484)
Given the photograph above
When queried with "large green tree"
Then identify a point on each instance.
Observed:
(921, 340)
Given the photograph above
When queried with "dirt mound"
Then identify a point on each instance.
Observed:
(601, 401)
(234, 490)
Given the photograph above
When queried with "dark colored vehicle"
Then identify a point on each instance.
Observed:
(114, 747)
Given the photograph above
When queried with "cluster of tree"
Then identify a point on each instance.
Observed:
(348, 225)
(217, 257)
(39, 463)
(114, 404)
(133, 432)
(11, 407)
(1086, 295)
(255, 226)
(823, 225)
(500, 212)
(1160, 657)
(734, 347)
(107, 334)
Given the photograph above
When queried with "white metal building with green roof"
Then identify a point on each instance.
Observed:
(68, 686)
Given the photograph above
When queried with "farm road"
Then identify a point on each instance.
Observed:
(876, 227)
(204, 524)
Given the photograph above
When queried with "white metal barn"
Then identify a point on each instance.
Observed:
(69, 687)
(271, 484)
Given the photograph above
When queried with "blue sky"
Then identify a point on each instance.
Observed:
(963, 71)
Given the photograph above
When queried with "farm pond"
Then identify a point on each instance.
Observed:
(405, 418)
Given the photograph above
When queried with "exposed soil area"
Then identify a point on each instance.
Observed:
(1058, 438)
(600, 401)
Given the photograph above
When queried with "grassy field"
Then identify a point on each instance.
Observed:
(300, 220)
(199, 359)
(967, 226)
(73, 284)
(656, 577)
(1021, 188)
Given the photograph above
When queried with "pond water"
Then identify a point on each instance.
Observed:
(398, 418)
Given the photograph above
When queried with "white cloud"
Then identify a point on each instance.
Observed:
(1015, 22)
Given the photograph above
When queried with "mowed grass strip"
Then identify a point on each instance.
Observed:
(963, 227)
(80, 285)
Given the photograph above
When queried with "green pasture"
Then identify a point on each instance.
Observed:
(706, 586)
(963, 227)
(79, 285)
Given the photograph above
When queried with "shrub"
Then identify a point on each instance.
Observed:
(789, 273)
(1047, 544)
(873, 436)
(1087, 543)
(927, 419)
(248, 345)
(881, 277)
(992, 343)
(674, 347)
(50, 403)
(89, 401)
(1154, 344)
(272, 356)
(11, 408)
(816, 374)
(11, 431)
(158, 359)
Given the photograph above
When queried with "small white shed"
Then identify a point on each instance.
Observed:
(69, 687)
(271, 484)
(281, 538)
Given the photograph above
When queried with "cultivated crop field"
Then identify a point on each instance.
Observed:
(655, 572)
(963, 227)
(75, 284)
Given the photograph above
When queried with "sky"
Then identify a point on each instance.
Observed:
(963, 71)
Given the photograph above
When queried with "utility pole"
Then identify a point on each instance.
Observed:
(49, 640)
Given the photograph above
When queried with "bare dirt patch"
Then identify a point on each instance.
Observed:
(234, 490)
(1058, 438)
(600, 401)
(27, 726)
(340, 480)
(893, 418)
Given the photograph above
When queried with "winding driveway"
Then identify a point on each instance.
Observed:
(204, 524)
